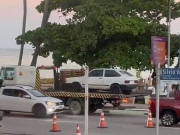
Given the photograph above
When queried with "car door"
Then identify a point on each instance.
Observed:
(23, 101)
(95, 79)
(6, 99)
(110, 77)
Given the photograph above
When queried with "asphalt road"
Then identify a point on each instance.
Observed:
(119, 123)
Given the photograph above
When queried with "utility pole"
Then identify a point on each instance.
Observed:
(169, 41)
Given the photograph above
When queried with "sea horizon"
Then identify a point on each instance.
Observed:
(10, 56)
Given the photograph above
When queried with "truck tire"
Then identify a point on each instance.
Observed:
(115, 89)
(7, 112)
(76, 86)
(1, 115)
(127, 92)
(168, 119)
(92, 109)
(39, 111)
(75, 108)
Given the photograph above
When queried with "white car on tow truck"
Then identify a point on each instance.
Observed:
(20, 98)
(117, 81)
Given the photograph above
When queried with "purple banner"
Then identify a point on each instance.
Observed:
(158, 50)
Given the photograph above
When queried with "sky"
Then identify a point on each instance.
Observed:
(11, 21)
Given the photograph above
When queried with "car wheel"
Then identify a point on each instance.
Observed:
(76, 86)
(168, 119)
(177, 121)
(127, 92)
(39, 111)
(115, 89)
(75, 108)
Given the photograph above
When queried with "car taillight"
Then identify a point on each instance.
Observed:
(126, 81)
(150, 103)
(136, 81)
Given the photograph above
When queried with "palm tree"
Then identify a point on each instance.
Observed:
(45, 18)
(23, 30)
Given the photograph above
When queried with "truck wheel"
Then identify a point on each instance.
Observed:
(92, 109)
(115, 89)
(7, 112)
(127, 92)
(76, 86)
(75, 108)
(39, 111)
(168, 118)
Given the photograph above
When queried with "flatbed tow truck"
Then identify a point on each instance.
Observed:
(74, 100)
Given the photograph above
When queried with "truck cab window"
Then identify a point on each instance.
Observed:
(111, 73)
(96, 73)
(9, 74)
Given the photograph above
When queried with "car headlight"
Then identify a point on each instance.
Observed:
(50, 103)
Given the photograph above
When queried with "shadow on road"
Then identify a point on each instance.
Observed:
(67, 114)
(3, 133)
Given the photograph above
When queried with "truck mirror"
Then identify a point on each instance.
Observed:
(1, 82)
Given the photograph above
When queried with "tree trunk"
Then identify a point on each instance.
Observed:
(23, 30)
(45, 18)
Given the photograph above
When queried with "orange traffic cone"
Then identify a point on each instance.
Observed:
(149, 123)
(78, 131)
(55, 125)
(102, 123)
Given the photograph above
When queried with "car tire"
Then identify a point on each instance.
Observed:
(39, 111)
(75, 108)
(76, 86)
(115, 89)
(177, 121)
(168, 119)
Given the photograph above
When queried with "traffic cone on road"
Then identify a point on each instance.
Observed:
(149, 123)
(55, 127)
(78, 131)
(102, 123)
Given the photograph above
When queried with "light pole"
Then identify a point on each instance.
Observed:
(169, 40)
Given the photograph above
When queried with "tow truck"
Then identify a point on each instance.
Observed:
(29, 75)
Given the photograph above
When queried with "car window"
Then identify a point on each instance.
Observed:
(20, 93)
(8, 92)
(125, 73)
(96, 73)
(36, 93)
(111, 73)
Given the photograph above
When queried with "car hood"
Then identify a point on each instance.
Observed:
(49, 99)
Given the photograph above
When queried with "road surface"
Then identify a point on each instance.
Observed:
(118, 122)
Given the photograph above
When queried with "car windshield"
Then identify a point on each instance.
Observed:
(36, 93)
(125, 73)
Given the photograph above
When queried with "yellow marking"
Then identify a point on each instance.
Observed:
(38, 81)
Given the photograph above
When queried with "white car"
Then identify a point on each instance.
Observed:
(118, 81)
(27, 99)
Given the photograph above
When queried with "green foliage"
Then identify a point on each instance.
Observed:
(104, 33)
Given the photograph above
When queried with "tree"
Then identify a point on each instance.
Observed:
(105, 33)
(37, 43)
(23, 30)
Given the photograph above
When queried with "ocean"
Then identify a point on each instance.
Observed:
(11, 56)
